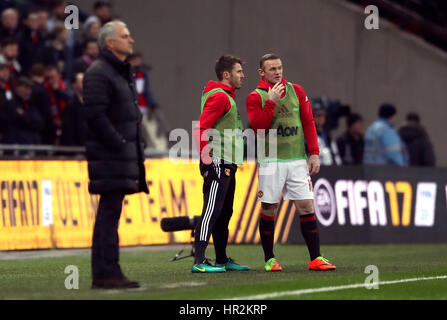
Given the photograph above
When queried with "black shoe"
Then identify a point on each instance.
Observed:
(116, 282)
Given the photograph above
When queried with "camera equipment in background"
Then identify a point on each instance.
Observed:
(180, 224)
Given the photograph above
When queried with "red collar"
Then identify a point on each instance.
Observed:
(267, 85)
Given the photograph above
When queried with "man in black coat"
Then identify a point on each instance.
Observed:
(414, 135)
(74, 130)
(43, 103)
(351, 144)
(31, 42)
(114, 148)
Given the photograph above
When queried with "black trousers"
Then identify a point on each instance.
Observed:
(105, 244)
(218, 196)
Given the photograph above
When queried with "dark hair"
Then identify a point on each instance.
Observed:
(37, 69)
(56, 3)
(51, 67)
(387, 110)
(100, 4)
(226, 63)
(24, 81)
(413, 117)
(8, 41)
(268, 56)
(40, 9)
(58, 28)
(87, 41)
(30, 10)
(353, 118)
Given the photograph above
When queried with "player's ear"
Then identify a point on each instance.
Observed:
(226, 75)
(261, 72)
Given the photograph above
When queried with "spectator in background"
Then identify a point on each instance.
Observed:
(382, 143)
(90, 31)
(328, 149)
(153, 124)
(58, 94)
(31, 43)
(5, 83)
(351, 143)
(90, 54)
(9, 27)
(102, 10)
(57, 18)
(91, 28)
(9, 55)
(74, 128)
(42, 16)
(145, 98)
(20, 119)
(420, 149)
(57, 13)
(42, 102)
(57, 50)
(5, 91)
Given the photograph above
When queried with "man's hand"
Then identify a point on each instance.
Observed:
(276, 92)
(313, 164)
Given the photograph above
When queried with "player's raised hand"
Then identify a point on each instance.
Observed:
(276, 91)
(313, 164)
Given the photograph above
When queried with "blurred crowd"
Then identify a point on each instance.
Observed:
(42, 64)
(381, 143)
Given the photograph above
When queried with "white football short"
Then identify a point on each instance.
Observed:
(287, 178)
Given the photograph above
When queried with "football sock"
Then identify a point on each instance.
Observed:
(267, 234)
(309, 230)
(221, 258)
(199, 251)
(220, 239)
(221, 255)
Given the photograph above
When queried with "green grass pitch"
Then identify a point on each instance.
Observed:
(44, 278)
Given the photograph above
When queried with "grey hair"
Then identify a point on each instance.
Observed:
(108, 31)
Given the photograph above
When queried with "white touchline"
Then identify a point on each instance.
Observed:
(327, 289)
(182, 284)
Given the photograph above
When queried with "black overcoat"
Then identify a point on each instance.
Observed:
(114, 145)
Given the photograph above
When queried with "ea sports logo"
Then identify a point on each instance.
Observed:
(325, 206)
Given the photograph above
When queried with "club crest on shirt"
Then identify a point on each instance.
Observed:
(260, 194)
(227, 171)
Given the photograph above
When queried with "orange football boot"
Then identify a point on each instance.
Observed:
(321, 264)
